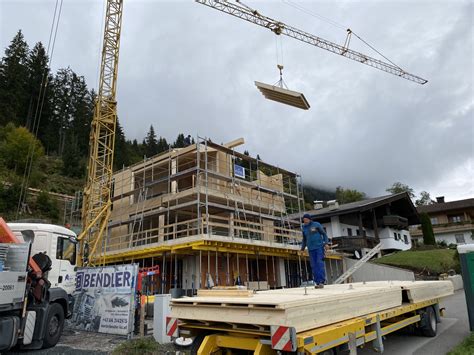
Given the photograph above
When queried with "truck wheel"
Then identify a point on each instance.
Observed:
(54, 325)
(430, 326)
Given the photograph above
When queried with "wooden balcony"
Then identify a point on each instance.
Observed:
(346, 243)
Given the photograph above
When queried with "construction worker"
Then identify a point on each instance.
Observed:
(316, 239)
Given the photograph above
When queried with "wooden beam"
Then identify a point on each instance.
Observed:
(234, 143)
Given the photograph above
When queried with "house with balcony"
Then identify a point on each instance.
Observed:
(360, 226)
(453, 221)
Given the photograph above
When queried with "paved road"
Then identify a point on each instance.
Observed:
(451, 331)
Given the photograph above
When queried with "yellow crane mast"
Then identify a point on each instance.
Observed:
(97, 193)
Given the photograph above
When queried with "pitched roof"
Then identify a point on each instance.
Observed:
(364, 205)
(447, 206)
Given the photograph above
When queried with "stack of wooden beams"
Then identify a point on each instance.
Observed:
(303, 308)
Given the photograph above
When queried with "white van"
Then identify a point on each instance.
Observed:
(60, 244)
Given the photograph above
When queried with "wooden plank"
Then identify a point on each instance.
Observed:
(291, 307)
(418, 291)
(309, 308)
(224, 293)
(234, 143)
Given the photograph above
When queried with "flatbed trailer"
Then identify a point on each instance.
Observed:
(203, 337)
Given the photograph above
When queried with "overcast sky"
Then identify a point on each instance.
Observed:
(187, 68)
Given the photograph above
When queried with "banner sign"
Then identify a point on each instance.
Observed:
(239, 171)
(104, 300)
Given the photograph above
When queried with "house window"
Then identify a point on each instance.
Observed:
(434, 220)
(459, 238)
(455, 219)
(405, 237)
(349, 232)
(358, 232)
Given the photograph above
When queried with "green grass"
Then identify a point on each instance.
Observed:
(143, 346)
(465, 348)
(434, 261)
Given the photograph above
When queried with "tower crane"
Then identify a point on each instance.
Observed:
(97, 203)
(246, 13)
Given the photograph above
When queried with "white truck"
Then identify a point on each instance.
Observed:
(33, 309)
(60, 244)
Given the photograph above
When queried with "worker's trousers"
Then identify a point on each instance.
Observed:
(316, 258)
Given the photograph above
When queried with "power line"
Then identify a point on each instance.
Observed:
(39, 105)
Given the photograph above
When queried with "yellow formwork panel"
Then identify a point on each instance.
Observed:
(206, 245)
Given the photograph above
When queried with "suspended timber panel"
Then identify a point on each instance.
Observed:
(284, 96)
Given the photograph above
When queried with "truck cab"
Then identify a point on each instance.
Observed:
(60, 244)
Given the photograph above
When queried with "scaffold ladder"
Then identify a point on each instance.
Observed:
(358, 264)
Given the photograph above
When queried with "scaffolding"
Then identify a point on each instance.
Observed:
(208, 215)
(195, 192)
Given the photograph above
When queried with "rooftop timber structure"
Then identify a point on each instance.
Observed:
(208, 215)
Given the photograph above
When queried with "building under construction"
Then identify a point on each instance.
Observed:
(209, 216)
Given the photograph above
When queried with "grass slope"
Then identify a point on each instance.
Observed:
(434, 261)
(465, 348)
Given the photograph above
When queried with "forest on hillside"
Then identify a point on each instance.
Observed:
(45, 120)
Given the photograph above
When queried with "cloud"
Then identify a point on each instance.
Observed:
(187, 68)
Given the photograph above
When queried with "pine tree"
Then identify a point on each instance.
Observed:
(180, 141)
(163, 145)
(13, 79)
(150, 143)
(39, 97)
(427, 229)
(72, 112)
(121, 156)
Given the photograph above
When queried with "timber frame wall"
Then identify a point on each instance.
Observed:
(188, 211)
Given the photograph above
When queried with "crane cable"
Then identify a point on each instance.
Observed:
(40, 104)
(337, 25)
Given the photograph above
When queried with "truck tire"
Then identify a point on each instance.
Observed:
(430, 325)
(54, 325)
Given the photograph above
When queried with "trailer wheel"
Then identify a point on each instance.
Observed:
(430, 325)
(193, 348)
(54, 325)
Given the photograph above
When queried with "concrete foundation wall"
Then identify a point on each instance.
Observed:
(375, 272)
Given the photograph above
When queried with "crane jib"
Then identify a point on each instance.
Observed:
(279, 28)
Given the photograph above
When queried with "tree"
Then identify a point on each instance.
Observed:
(150, 143)
(121, 156)
(427, 229)
(398, 187)
(424, 200)
(180, 141)
(72, 112)
(163, 145)
(47, 205)
(39, 96)
(13, 80)
(9, 196)
(19, 145)
(348, 195)
(74, 164)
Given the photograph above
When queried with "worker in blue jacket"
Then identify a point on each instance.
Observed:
(316, 239)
